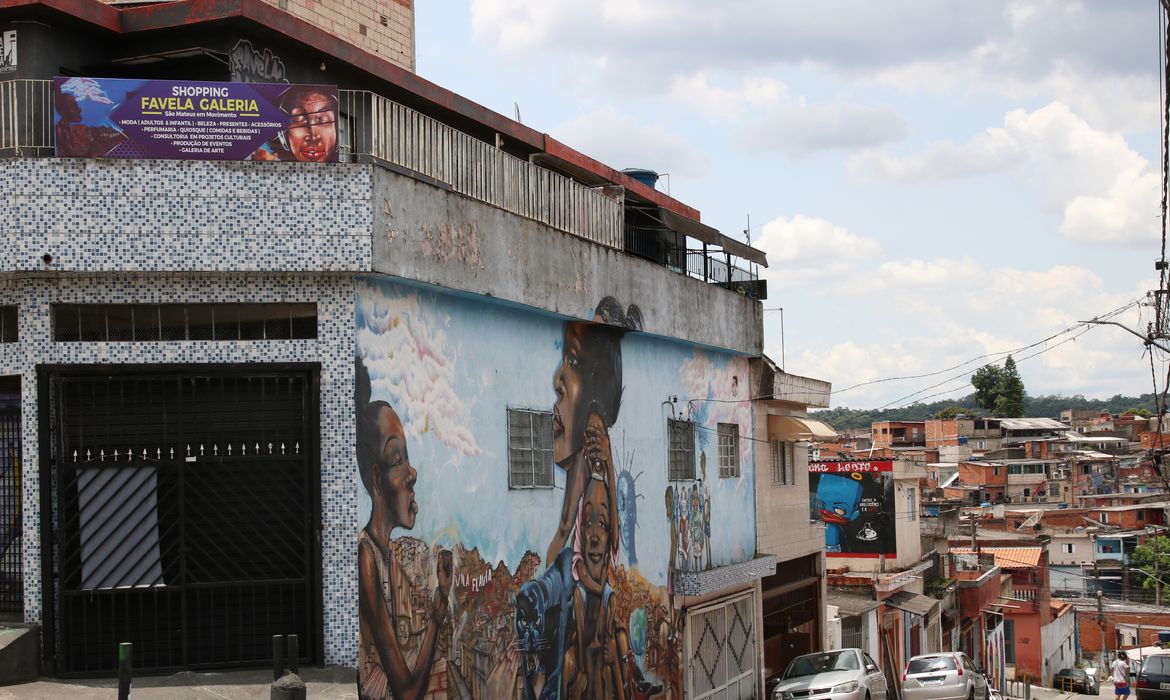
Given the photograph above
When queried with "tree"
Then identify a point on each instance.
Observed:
(1009, 401)
(952, 411)
(1153, 559)
(1000, 389)
(1141, 412)
(986, 382)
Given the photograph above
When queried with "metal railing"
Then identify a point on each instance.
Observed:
(26, 116)
(375, 127)
(396, 134)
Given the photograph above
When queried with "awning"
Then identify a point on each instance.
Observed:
(849, 604)
(690, 227)
(912, 603)
(706, 234)
(793, 429)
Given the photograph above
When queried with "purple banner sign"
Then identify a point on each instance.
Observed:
(189, 120)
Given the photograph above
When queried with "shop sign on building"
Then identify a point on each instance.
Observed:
(188, 120)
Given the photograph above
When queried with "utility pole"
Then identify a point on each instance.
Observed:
(1100, 606)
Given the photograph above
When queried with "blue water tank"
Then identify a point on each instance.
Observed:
(648, 178)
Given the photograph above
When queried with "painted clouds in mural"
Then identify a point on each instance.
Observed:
(472, 588)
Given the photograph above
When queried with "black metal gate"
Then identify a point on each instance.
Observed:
(11, 569)
(186, 515)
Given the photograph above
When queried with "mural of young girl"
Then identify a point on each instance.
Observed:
(593, 667)
(392, 661)
(588, 387)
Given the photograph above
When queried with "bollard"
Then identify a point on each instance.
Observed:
(277, 659)
(294, 654)
(1027, 689)
(125, 677)
(286, 686)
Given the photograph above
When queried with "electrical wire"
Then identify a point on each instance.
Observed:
(1066, 331)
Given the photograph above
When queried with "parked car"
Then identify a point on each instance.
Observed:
(844, 674)
(1153, 680)
(1075, 680)
(945, 676)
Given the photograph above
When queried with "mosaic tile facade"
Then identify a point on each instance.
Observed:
(184, 216)
(122, 231)
(333, 349)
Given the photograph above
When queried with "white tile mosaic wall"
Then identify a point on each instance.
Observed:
(333, 349)
(184, 216)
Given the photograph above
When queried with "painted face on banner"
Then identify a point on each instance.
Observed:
(312, 129)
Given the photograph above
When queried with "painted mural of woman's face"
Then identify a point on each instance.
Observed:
(568, 413)
(595, 529)
(395, 476)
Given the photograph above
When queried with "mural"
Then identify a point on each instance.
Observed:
(471, 588)
(855, 500)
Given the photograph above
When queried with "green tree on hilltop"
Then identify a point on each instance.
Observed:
(1000, 389)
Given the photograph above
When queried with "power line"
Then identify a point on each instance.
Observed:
(1070, 329)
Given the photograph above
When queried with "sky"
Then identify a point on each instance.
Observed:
(933, 182)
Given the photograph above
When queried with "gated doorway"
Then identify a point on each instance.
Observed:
(11, 471)
(184, 515)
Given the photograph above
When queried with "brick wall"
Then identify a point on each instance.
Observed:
(382, 27)
(1089, 629)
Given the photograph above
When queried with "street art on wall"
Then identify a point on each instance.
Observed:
(471, 587)
(855, 501)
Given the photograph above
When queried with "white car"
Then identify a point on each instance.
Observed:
(943, 676)
(844, 674)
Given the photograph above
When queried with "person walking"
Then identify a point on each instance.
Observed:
(1119, 674)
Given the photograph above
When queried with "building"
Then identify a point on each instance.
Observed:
(793, 595)
(976, 433)
(1037, 632)
(898, 434)
(198, 440)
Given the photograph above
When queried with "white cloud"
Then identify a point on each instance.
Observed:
(1106, 191)
(1095, 55)
(922, 316)
(622, 141)
(804, 249)
(762, 116)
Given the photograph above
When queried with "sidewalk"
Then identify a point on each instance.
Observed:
(332, 683)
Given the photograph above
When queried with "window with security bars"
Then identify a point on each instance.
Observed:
(530, 449)
(722, 650)
(728, 450)
(8, 324)
(681, 434)
(783, 463)
(115, 323)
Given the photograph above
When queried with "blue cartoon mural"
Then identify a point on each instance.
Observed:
(475, 583)
(855, 501)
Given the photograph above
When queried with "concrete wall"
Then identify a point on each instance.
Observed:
(425, 233)
(783, 525)
(452, 367)
(1058, 640)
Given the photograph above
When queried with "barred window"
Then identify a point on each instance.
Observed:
(139, 323)
(681, 434)
(783, 463)
(728, 450)
(8, 324)
(530, 449)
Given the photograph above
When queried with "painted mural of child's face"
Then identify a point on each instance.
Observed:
(569, 413)
(595, 529)
(395, 476)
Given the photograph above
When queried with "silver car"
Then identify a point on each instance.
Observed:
(845, 674)
(945, 676)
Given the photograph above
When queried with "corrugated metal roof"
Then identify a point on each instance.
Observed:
(1009, 557)
(850, 604)
(911, 602)
(1031, 424)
